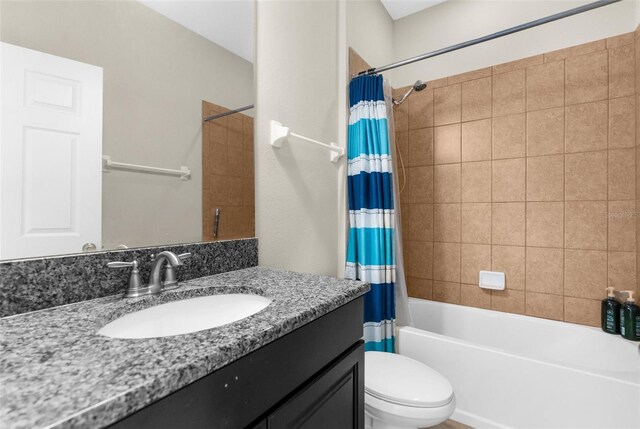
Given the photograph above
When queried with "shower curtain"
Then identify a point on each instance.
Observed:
(403, 315)
(371, 246)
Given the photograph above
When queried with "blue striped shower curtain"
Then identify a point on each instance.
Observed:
(370, 252)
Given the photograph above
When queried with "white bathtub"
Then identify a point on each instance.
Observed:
(517, 371)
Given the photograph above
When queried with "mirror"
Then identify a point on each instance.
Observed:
(103, 140)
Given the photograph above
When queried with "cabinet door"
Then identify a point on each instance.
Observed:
(334, 399)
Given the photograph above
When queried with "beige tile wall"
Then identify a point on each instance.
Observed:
(637, 135)
(529, 168)
(227, 174)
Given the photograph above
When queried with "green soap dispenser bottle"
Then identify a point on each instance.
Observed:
(630, 318)
(610, 313)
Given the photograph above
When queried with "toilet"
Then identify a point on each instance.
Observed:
(402, 393)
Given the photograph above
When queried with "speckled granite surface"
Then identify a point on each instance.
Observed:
(55, 371)
(34, 284)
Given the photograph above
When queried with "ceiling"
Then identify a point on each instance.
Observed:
(228, 23)
(400, 8)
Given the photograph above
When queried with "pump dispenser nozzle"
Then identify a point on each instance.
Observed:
(611, 292)
(630, 296)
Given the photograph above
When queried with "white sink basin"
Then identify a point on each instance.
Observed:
(185, 316)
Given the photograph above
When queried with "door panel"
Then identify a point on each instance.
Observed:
(49, 194)
(50, 154)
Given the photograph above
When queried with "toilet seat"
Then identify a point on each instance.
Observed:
(403, 381)
(404, 415)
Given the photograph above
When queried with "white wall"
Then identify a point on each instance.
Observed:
(457, 21)
(156, 74)
(297, 187)
(370, 31)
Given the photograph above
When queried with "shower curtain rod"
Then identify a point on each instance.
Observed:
(512, 30)
(230, 112)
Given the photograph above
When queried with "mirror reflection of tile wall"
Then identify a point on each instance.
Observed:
(227, 175)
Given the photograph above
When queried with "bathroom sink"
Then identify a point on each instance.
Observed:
(185, 316)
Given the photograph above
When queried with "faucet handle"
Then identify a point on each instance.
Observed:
(135, 284)
(184, 256)
(122, 264)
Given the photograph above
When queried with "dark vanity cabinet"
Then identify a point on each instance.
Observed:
(312, 377)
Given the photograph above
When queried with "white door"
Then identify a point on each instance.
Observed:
(50, 154)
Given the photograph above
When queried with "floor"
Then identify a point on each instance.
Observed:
(451, 424)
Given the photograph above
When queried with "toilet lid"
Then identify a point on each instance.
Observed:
(404, 381)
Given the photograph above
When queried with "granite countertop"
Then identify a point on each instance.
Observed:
(56, 371)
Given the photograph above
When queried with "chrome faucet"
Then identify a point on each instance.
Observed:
(166, 259)
(155, 280)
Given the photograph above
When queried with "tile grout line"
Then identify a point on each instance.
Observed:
(433, 189)
(608, 160)
(564, 178)
(460, 202)
(526, 146)
(491, 188)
